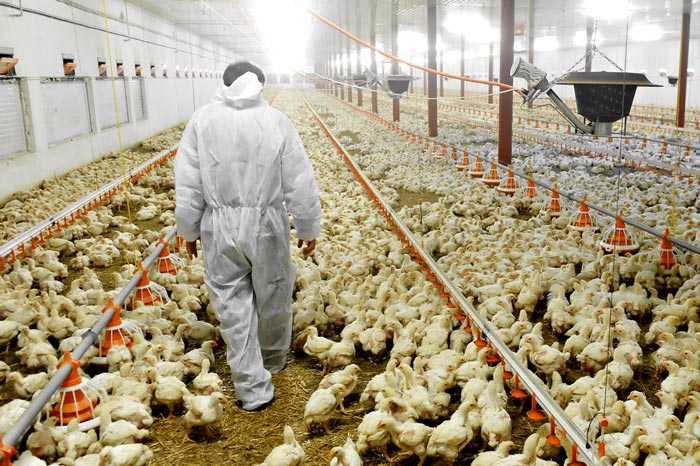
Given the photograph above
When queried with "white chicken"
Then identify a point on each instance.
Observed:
(134, 454)
(203, 410)
(290, 453)
(321, 406)
(346, 455)
(411, 437)
(347, 377)
(451, 436)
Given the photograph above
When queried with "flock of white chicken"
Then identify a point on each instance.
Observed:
(360, 293)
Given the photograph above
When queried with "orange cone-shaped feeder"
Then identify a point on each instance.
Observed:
(148, 292)
(7, 452)
(492, 178)
(73, 401)
(617, 238)
(166, 262)
(510, 186)
(583, 219)
(442, 153)
(668, 256)
(554, 207)
(530, 190)
(478, 170)
(114, 334)
(464, 163)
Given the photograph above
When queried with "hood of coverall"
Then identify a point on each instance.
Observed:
(242, 92)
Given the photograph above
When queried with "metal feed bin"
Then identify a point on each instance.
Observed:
(605, 97)
(398, 84)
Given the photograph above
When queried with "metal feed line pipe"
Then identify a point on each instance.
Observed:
(89, 338)
(33, 232)
(531, 381)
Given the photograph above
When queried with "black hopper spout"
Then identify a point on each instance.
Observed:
(602, 97)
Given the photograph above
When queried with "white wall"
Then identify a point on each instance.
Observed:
(39, 43)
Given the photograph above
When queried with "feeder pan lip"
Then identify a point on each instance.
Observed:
(82, 426)
(593, 227)
(608, 247)
(608, 78)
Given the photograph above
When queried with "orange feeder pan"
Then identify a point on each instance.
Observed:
(507, 375)
(618, 239)
(73, 403)
(510, 187)
(534, 413)
(667, 257)
(583, 220)
(492, 178)
(478, 170)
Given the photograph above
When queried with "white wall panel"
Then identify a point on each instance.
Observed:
(104, 93)
(137, 91)
(65, 108)
(12, 135)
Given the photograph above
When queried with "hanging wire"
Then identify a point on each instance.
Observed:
(189, 31)
(618, 182)
(127, 183)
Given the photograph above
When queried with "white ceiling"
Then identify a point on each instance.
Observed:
(222, 21)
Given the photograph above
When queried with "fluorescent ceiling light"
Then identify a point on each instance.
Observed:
(473, 27)
(546, 43)
(580, 38)
(607, 9)
(646, 32)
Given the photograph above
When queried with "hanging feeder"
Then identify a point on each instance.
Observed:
(554, 207)
(74, 400)
(397, 84)
(518, 392)
(510, 187)
(478, 170)
(618, 239)
(148, 292)
(530, 190)
(116, 333)
(167, 261)
(583, 219)
(602, 97)
(492, 178)
(464, 163)
(668, 255)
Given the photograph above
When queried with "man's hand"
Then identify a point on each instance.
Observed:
(191, 249)
(310, 246)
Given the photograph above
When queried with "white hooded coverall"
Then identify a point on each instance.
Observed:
(239, 163)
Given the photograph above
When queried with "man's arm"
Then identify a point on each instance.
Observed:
(189, 198)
